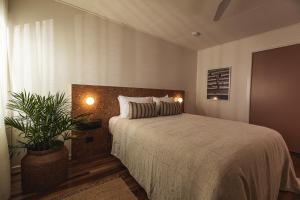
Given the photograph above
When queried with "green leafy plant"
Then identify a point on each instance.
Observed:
(44, 122)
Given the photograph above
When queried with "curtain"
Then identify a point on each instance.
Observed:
(4, 156)
(31, 58)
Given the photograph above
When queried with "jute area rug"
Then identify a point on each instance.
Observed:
(115, 189)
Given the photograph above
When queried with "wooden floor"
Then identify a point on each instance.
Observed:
(102, 167)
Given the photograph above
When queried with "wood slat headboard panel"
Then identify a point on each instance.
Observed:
(106, 106)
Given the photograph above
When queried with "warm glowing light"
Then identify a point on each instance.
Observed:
(179, 99)
(215, 98)
(90, 101)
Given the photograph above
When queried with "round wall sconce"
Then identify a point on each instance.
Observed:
(90, 101)
(179, 99)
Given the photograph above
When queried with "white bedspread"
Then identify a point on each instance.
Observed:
(196, 157)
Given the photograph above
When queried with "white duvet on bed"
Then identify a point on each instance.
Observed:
(196, 157)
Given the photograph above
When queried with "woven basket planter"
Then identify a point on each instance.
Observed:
(44, 170)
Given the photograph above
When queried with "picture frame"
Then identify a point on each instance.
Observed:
(218, 84)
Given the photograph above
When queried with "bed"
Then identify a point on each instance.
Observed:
(195, 157)
(186, 156)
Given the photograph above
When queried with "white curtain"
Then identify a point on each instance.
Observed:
(32, 58)
(4, 157)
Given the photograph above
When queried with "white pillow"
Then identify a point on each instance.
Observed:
(124, 103)
(157, 100)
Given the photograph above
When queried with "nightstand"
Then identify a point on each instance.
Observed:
(90, 136)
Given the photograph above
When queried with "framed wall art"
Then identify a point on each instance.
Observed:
(218, 83)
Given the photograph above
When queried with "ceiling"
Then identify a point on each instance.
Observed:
(174, 20)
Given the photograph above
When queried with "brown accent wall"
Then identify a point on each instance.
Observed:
(106, 106)
(275, 92)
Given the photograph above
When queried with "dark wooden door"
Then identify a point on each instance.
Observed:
(275, 92)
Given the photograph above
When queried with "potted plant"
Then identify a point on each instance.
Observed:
(44, 124)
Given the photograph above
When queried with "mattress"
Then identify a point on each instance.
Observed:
(195, 157)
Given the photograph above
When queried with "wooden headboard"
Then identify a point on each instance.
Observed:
(106, 105)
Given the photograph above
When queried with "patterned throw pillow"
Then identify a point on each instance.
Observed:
(167, 108)
(157, 100)
(142, 110)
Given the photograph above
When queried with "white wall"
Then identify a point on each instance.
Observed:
(238, 55)
(88, 49)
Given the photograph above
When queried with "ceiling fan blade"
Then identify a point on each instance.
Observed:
(221, 9)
